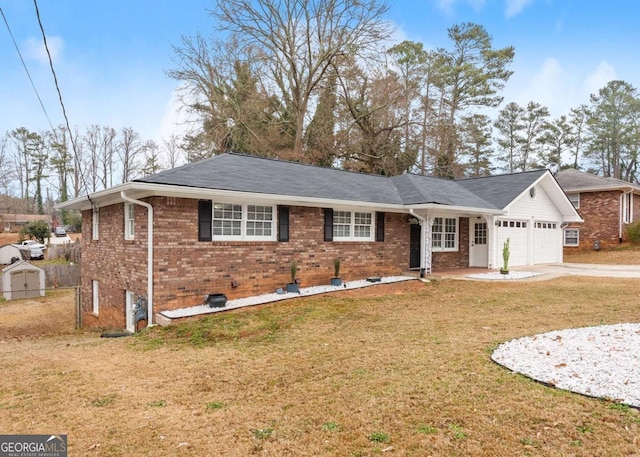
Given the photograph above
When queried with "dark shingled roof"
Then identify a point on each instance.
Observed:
(501, 190)
(575, 180)
(417, 189)
(244, 173)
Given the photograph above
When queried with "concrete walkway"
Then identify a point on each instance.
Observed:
(582, 269)
(549, 271)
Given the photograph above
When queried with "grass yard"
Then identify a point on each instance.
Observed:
(51, 314)
(625, 254)
(400, 369)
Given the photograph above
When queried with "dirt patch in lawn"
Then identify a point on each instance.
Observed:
(400, 369)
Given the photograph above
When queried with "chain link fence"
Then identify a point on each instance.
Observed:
(57, 312)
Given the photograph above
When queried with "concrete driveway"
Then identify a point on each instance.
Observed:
(582, 269)
(60, 239)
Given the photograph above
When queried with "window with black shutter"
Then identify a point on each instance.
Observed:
(328, 224)
(379, 226)
(283, 223)
(205, 217)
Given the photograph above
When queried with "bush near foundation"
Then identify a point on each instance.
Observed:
(633, 231)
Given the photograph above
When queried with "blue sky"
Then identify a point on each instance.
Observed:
(111, 57)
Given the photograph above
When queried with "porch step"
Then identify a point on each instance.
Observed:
(411, 273)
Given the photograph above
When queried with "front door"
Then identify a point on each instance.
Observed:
(479, 252)
(414, 246)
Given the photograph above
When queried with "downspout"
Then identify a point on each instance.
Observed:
(149, 253)
(423, 224)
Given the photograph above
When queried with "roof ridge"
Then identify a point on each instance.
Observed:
(470, 178)
(311, 165)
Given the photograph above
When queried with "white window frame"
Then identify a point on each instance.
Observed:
(95, 290)
(353, 222)
(95, 223)
(129, 221)
(627, 208)
(575, 200)
(438, 242)
(245, 224)
(565, 237)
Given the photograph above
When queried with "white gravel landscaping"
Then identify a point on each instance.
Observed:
(273, 297)
(601, 361)
(493, 275)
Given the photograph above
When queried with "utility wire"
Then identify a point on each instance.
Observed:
(25, 68)
(64, 111)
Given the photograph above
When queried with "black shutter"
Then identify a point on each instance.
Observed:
(328, 224)
(283, 223)
(379, 226)
(205, 216)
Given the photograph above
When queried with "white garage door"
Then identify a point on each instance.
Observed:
(547, 239)
(517, 233)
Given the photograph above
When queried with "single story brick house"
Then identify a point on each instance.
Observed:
(15, 222)
(234, 223)
(607, 205)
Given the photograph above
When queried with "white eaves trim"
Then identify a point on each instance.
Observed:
(139, 190)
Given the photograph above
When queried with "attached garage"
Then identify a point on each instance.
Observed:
(518, 234)
(547, 242)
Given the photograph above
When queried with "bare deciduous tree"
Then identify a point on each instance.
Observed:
(290, 44)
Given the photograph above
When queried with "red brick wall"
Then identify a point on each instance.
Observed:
(186, 269)
(117, 264)
(456, 259)
(601, 214)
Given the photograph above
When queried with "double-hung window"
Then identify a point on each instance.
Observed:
(234, 221)
(129, 231)
(571, 237)
(95, 223)
(352, 226)
(627, 208)
(444, 234)
(575, 200)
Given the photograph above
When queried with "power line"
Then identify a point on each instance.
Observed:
(25, 67)
(64, 111)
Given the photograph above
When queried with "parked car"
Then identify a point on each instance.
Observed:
(28, 244)
(60, 231)
(34, 253)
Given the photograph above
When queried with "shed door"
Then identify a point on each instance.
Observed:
(25, 284)
(18, 284)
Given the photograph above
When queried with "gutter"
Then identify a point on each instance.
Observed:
(149, 254)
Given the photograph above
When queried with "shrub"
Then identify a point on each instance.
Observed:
(633, 232)
(38, 230)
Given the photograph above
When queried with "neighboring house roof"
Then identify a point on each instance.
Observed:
(24, 218)
(572, 180)
(232, 174)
